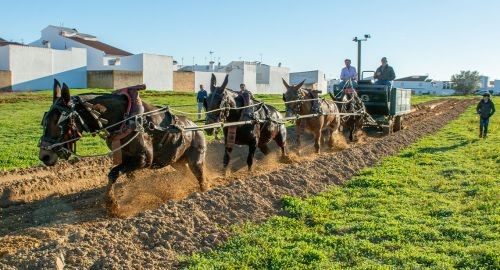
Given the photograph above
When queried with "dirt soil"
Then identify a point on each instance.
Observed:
(55, 216)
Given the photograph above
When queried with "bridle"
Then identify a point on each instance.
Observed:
(213, 117)
(70, 123)
(295, 107)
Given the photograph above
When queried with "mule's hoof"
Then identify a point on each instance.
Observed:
(286, 160)
(204, 188)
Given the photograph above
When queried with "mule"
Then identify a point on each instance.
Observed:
(328, 119)
(70, 116)
(255, 135)
(351, 124)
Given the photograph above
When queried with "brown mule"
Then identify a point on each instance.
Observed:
(327, 120)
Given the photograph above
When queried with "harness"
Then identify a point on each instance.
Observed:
(134, 107)
(68, 124)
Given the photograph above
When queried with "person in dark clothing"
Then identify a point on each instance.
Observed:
(200, 97)
(385, 73)
(485, 109)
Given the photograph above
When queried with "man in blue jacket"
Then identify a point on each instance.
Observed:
(200, 97)
(485, 109)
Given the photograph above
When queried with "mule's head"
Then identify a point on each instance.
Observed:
(59, 126)
(292, 94)
(214, 101)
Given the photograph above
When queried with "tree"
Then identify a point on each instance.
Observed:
(466, 82)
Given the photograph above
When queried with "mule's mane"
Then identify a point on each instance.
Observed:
(92, 96)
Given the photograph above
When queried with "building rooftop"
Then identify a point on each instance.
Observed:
(415, 78)
(4, 42)
(90, 41)
(107, 49)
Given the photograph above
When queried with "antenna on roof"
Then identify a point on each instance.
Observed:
(211, 55)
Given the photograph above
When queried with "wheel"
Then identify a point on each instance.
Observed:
(398, 123)
(387, 129)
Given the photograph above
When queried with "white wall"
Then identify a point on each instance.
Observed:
(94, 56)
(496, 87)
(157, 69)
(35, 68)
(4, 58)
(236, 74)
(201, 77)
(275, 85)
(311, 77)
(432, 88)
(158, 72)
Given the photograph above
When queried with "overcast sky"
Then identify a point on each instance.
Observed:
(438, 37)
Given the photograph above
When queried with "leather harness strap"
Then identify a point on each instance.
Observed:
(134, 102)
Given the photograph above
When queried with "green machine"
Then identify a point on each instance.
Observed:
(386, 106)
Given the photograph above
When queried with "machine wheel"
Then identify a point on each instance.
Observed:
(398, 123)
(387, 129)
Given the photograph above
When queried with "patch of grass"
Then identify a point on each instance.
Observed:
(434, 205)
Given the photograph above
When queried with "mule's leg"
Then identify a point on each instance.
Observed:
(280, 140)
(113, 175)
(196, 162)
(331, 138)
(264, 148)
(227, 157)
(251, 153)
(317, 141)
(298, 131)
(128, 165)
(351, 133)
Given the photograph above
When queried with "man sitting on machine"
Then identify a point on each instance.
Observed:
(384, 74)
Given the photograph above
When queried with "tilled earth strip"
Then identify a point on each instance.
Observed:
(155, 239)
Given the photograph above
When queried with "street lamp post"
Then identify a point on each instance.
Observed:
(358, 40)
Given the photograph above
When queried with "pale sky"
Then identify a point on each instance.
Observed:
(438, 37)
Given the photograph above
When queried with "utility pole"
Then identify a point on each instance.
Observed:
(359, 40)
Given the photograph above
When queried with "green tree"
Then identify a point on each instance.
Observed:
(466, 82)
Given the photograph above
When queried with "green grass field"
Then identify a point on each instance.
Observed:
(434, 205)
(20, 119)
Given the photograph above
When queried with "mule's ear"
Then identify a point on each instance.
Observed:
(65, 94)
(213, 82)
(298, 86)
(285, 83)
(224, 84)
(57, 91)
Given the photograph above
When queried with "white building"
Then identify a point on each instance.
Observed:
(496, 87)
(32, 68)
(311, 77)
(157, 70)
(331, 84)
(258, 78)
(422, 85)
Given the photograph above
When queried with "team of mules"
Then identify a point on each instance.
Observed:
(70, 116)
(157, 138)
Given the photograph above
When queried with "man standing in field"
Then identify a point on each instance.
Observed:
(385, 73)
(485, 109)
(200, 97)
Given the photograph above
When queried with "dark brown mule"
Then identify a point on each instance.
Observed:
(70, 116)
(255, 135)
(351, 124)
(329, 120)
